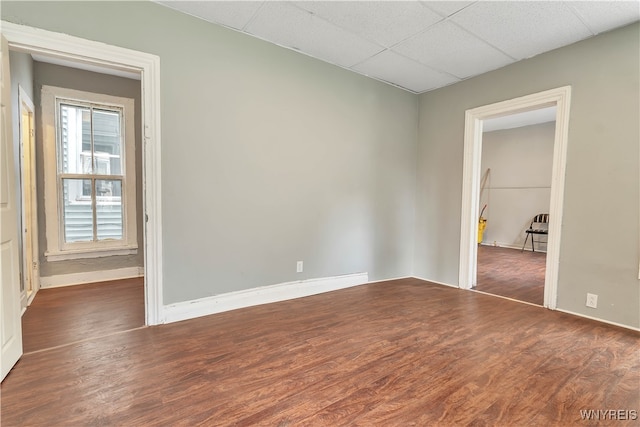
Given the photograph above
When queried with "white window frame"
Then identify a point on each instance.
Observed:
(57, 248)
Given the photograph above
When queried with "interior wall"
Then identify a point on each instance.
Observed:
(71, 78)
(21, 76)
(269, 157)
(602, 169)
(519, 182)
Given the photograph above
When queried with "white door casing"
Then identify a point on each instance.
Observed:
(72, 49)
(11, 329)
(561, 98)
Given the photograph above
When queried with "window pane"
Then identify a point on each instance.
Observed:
(78, 212)
(75, 136)
(107, 142)
(109, 209)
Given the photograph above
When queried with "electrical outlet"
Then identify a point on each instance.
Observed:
(592, 300)
(299, 267)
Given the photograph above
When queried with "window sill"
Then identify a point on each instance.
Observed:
(89, 253)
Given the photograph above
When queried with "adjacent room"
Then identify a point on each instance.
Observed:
(55, 311)
(320, 213)
(517, 159)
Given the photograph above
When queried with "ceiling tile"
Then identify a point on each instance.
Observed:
(428, 41)
(234, 14)
(286, 25)
(385, 22)
(394, 68)
(447, 8)
(605, 15)
(523, 29)
(446, 47)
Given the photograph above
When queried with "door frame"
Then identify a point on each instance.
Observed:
(561, 98)
(70, 48)
(29, 220)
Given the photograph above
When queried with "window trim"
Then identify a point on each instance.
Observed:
(56, 248)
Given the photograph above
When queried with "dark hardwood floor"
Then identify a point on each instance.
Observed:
(60, 316)
(397, 353)
(511, 273)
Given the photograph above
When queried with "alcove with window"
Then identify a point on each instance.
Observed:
(90, 190)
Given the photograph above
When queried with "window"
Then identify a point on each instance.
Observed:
(89, 174)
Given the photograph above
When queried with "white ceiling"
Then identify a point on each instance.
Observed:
(417, 45)
(516, 120)
(111, 70)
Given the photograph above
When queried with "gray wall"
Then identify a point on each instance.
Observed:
(519, 183)
(602, 178)
(21, 76)
(70, 78)
(268, 156)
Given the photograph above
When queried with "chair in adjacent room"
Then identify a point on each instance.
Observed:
(539, 226)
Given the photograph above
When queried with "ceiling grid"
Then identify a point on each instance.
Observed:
(417, 45)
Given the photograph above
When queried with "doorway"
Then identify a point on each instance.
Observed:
(105, 210)
(75, 51)
(69, 49)
(516, 162)
(559, 98)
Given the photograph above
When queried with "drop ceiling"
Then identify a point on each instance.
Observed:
(417, 45)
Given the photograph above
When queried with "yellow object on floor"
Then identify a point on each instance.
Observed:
(482, 224)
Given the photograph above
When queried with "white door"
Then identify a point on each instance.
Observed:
(11, 329)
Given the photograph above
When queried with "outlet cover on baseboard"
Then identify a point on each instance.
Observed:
(592, 300)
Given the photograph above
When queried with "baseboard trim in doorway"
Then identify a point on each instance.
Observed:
(506, 246)
(507, 298)
(90, 277)
(85, 340)
(258, 296)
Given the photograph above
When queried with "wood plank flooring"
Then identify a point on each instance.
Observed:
(60, 316)
(396, 353)
(511, 273)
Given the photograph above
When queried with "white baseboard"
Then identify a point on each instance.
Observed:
(257, 296)
(390, 279)
(89, 277)
(598, 319)
(504, 245)
(436, 282)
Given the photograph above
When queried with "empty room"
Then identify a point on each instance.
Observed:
(320, 213)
